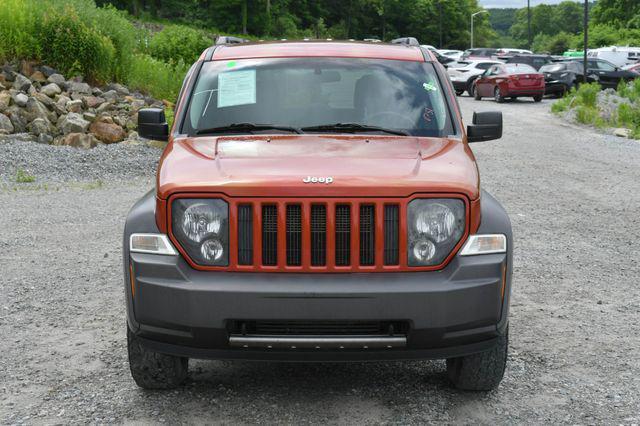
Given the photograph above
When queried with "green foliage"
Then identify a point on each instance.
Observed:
(178, 43)
(24, 177)
(73, 48)
(619, 13)
(160, 79)
(19, 29)
(587, 111)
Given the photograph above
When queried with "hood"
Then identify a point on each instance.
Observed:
(299, 165)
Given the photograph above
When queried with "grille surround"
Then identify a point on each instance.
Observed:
(330, 203)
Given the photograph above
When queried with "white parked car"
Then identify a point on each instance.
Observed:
(464, 73)
(453, 54)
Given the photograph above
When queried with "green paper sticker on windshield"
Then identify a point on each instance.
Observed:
(429, 87)
(231, 64)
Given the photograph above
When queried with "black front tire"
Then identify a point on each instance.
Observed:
(474, 93)
(153, 370)
(537, 98)
(482, 371)
(459, 92)
(497, 94)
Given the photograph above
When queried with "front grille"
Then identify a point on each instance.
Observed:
(269, 235)
(318, 235)
(343, 235)
(294, 235)
(323, 235)
(245, 234)
(317, 328)
(367, 235)
(391, 234)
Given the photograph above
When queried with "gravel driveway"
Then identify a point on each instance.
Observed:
(573, 196)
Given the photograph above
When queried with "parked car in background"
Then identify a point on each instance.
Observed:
(479, 53)
(608, 75)
(618, 56)
(506, 53)
(535, 61)
(464, 73)
(453, 54)
(503, 81)
(444, 60)
(560, 77)
(633, 68)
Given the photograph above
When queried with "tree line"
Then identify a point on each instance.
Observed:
(443, 23)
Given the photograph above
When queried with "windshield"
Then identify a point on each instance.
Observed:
(307, 92)
(553, 68)
(520, 69)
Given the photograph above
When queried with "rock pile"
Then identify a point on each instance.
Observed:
(58, 111)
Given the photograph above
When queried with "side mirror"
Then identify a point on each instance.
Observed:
(152, 124)
(486, 126)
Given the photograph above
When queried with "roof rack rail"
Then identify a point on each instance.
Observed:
(410, 41)
(230, 40)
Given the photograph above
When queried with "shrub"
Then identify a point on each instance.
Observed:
(587, 94)
(19, 22)
(72, 47)
(177, 42)
(158, 78)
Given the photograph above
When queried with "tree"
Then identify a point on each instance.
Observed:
(617, 12)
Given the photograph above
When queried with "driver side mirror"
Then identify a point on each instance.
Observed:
(486, 126)
(152, 124)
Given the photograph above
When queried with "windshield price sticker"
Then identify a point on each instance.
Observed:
(236, 88)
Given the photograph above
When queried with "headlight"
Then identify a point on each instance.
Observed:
(201, 226)
(435, 226)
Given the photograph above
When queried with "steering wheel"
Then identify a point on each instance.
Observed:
(397, 117)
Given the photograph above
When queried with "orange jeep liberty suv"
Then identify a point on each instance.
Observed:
(318, 201)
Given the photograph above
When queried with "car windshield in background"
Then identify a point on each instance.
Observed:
(520, 69)
(554, 68)
(293, 94)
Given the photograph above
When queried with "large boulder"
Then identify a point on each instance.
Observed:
(77, 87)
(111, 96)
(5, 101)
(21, 83)
(119, 88)
(74, 106)
(73, 123)
(60, 107)
(38, 76)
(51, 90)
(40, 126)
(20, 99)
(107, 132)
(77, 140)
(93, 101)
(56, 79)
(5, 124)
(18, 118)
(36, 109)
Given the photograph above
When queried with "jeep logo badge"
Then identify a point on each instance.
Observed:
(313, 179)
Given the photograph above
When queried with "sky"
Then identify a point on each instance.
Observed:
(515, 3)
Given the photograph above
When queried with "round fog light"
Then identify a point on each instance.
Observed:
(423, 250)
(211, 250)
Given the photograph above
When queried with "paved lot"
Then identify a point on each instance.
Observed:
(573, 196)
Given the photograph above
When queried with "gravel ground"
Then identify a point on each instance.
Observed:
(55, 164)
(573, 198)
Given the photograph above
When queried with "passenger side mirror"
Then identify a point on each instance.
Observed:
(152, 124)
(486, 126)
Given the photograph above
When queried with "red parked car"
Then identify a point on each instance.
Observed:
(503, 81)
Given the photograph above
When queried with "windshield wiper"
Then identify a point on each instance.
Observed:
(247, 127)
(353, 128)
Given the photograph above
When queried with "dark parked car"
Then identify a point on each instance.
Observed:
(560, 77)
(535, 61)
(608, 74)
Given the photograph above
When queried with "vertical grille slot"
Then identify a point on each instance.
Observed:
(294, 235)
(391, 234)
(318, 235)
(343, 235)
(269, 235)
(367, 234)
(245, 234)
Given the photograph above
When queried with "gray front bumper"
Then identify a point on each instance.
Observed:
(457, 310)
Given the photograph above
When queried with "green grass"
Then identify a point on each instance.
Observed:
(584, 102)
(24, 177)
